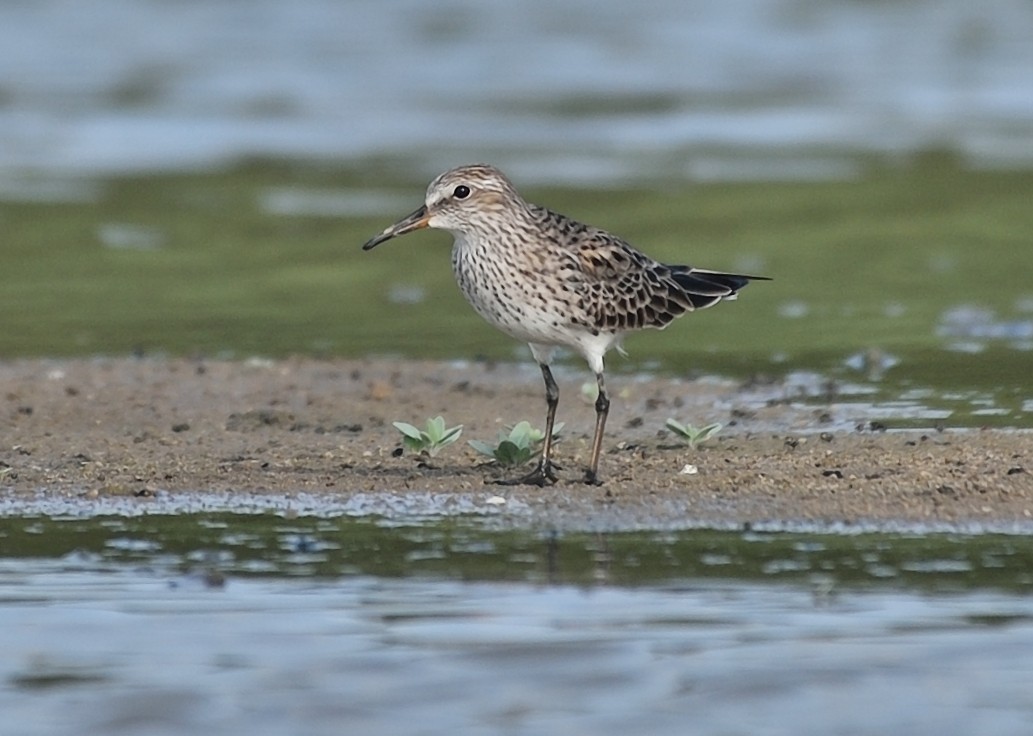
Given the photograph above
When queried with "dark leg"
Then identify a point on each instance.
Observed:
(552, 400)
(545, 471)
(602, 408)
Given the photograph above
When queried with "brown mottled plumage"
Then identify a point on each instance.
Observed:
(551, 281)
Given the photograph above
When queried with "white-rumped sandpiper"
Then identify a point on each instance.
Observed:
(551, 281)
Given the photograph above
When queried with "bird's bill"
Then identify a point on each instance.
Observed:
(415, 221)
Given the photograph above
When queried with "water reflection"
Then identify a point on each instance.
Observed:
(461, 548)
(453, 628)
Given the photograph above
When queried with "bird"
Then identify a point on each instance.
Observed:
(553, 282)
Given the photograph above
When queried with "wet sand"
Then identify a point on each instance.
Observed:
(93, 429)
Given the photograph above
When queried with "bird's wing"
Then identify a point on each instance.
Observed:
(625, 289)
(620, 288)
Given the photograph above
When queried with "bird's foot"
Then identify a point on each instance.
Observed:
(544, 474)
(592, 478)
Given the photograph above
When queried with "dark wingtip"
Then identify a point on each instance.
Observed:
(710, 283)
(734, 280)
(706, 288)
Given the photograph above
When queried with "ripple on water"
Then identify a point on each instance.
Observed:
(274, 655)
(266, 622)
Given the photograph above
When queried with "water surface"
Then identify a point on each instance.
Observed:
(572, 91)
(265, 624)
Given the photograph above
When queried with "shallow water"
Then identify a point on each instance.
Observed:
(573, 91)
(263, 624)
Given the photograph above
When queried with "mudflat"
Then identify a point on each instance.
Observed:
(100, 427)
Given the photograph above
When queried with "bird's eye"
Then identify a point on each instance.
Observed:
(461, 192)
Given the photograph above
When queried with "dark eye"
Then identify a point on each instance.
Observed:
(461, 192)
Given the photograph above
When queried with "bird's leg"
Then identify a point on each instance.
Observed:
(545, 471)
(602, 408)
(552, 400)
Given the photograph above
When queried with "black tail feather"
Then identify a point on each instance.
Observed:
(705, 288)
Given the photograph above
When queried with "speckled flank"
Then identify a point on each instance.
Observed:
(551, 281)
(542, 277)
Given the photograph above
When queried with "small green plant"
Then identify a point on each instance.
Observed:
(430, 440)
(516, 445)
(693, 435)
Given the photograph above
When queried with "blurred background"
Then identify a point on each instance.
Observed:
(573, 91)
(196, 177)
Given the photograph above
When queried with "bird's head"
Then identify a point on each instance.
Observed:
(461, 200)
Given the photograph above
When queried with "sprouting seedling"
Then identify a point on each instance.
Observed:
(432, 439)
(693, 435)
(516, 445)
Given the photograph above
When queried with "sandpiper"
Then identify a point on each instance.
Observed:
(551, 281)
